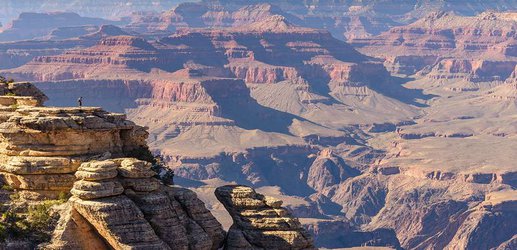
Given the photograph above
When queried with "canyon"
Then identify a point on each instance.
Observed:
(374, 125)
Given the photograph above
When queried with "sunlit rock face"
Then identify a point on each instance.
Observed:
(128, 208)
(43, 147)
(260, 221)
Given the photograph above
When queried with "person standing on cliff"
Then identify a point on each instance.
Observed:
(80, 101)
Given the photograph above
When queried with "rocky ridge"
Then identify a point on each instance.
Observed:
(34, 25)
(345, 20)
(444, 45)
(16, 53)
(188, 71)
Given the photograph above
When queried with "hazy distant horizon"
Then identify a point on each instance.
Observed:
(113, 9)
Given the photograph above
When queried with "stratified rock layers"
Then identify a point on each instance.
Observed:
(138, 216)
(42, 147)
(260, 222)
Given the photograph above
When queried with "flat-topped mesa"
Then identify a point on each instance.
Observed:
(260, 222)
(128, 208)
(42, 147)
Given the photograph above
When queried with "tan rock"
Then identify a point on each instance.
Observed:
(95, 176)
(140, 184)
(134, 168)
(88, 190)
(75, 232)
(98, 166)
(195, 209)
(163, 216)
(120, 222)
(97, 170)
(273, 202)
(39, 165)
(55, 182)
(259, 222)
(42, 147)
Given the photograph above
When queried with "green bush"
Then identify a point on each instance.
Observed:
(143, 154)
(35, 225)
(7, 187)
(15, 196)
(63, 197)
(39, 216)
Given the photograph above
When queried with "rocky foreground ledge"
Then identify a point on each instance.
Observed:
(117, 201)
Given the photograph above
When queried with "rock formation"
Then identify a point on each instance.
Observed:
(260, 222)
(345, 20)
(43, 147)
(127, 208)
(444, 45)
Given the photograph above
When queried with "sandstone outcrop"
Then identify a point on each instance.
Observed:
(43, 147)
(140, 213)
(96, 180)
(260, 222)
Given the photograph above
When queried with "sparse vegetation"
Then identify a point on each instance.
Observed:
(165, 174)
(7, 187)
(63, 197)
(143, 154)
(14, 196)
(5, 80)
(35, 224)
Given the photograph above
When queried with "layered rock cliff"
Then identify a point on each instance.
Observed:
(446, 45)
(43, 147)
(374, 159)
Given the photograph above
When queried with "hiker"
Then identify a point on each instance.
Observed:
(80, 101)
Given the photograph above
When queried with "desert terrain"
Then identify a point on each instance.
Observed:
(376, 124)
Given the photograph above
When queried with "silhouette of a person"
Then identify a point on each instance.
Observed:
(80, 101)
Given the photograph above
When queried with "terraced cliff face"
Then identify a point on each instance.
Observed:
(118, 204)
(17, 53)
(206, 75)
(43, 147)
(444, 46)
(344, 19)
